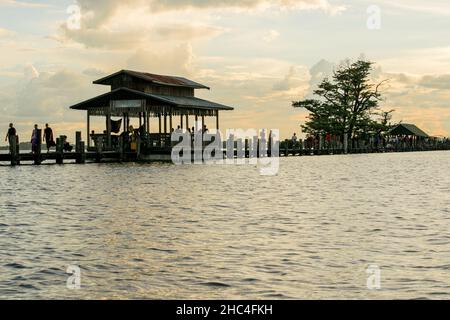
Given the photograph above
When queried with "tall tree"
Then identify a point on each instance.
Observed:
(345, 103)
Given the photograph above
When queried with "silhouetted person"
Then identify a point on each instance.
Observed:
(48, 137)
(294, 139)
(66, 145)
(34, 140)
(11, 135)
(141, 131)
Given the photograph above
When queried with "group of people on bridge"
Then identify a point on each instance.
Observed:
(13, 139)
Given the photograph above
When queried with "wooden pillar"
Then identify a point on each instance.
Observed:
(160, 130)
(37, 156)
(196, 122)
(247, 150)
(78, 142)
(165, 130)
(88, 136)
(171, 120)
(187, 121)
(165, 123)
(181, 122)
(79, 148)
(217, 120)
(144, 121)
(17, 149)
(108, 129)
(13, 150)
(140, 120)
(60, 150)
(201, 130)
(160, 125)
(82, 158)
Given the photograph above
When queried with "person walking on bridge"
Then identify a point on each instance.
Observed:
(48, 137)
(35, 140)
(11, 135)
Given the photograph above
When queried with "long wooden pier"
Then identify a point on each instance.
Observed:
(80, 155)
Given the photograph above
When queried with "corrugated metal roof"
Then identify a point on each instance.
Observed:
(408, 129)
(155, 78)
(190, 102)
(126, 93)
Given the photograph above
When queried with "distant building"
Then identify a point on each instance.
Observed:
(405, 129)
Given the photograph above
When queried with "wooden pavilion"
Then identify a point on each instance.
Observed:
(144, 95)
(409, 135)
(411, 130)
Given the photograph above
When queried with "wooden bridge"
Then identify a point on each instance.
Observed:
(81, 155)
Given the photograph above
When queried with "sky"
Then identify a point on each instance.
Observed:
(256, 55)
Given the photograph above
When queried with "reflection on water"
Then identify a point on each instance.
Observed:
(160, 231)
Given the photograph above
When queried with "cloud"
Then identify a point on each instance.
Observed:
(441, 82)
(43, 96)
(319, 71)
(101, 11)
(137, 34)
(22, 4)
(271, 36)
(94, 72)
(4, 33)
(178, 60)
(164, 5)
(106, 23)
(183, 32)
(46, 94)
(422, 100)
(412, 61)
(101, 38)
(287, 82)
(434, 7)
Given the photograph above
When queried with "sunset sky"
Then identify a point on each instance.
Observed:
(256, 55)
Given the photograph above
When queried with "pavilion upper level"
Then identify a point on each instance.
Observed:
(134, 92)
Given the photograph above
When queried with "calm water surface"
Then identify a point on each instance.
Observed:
(159, 231)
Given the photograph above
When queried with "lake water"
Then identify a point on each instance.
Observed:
(159, 231)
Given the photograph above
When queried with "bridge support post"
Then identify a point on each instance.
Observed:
(37, 154)
(78, 148)
(82, 152)
(13, 146)
(60, 150)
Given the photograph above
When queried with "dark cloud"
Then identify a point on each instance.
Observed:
(441, 82)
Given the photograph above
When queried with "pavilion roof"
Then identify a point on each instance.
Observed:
(154, 78)
(155, 99)
(408, 130)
